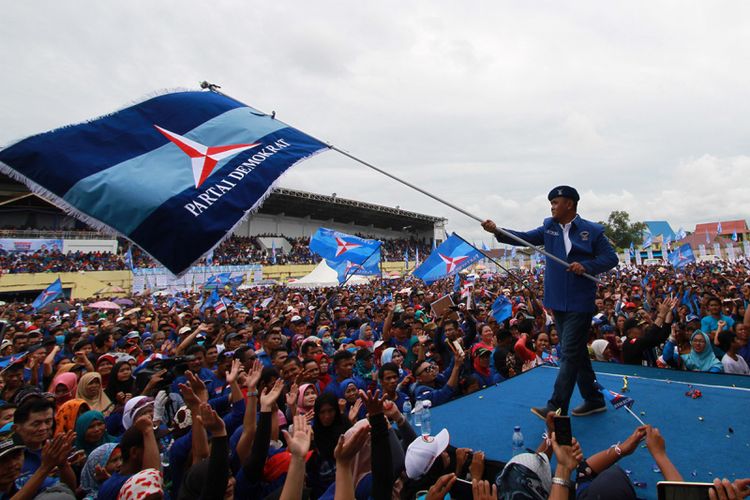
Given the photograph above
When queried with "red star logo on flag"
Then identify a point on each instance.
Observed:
(352, 266)
(344, 246)
(203, 158)
(452, 262)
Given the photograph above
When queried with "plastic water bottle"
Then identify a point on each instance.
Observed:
(407, 412)
(418, 416)
(426, 418)
(517, 441)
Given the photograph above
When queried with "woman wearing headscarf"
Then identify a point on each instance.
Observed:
(104, 365)
(700, 358)
(324, 364)
(91, 432)
(144, 485)
(601, 350)
(306, 396)
(90, 390)
(121, 385)
(328, 426)
(104, 460)
(67, 414)
(64, 387)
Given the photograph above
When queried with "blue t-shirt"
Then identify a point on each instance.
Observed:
(112, 486)
(709, 324)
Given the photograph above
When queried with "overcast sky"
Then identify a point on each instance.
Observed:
(642, 106)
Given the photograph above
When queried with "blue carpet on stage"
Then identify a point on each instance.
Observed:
(705, 437)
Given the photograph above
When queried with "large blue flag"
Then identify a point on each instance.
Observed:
(174, 173)
(449, 258)
(502, 309)
(48, 295)
(211, 301)
(682, 256)
(336, 247)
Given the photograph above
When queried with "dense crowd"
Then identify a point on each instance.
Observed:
(235, 250)
(54, 261)
(289, 391)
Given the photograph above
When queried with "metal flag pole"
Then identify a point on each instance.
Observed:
(214, 88)
(510, 273)
(354, 269)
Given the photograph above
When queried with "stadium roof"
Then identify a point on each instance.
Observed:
(281, 201)
(660, 227)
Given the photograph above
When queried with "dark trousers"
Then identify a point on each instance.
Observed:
(575, 366)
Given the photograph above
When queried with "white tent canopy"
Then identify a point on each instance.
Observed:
(323, 276)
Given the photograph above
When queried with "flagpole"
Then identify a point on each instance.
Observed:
(510, 273)
(634, 415)
(354, 271)
(507, 234)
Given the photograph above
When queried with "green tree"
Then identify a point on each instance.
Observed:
(621, 231)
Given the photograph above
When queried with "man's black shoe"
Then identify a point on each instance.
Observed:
(541, 411)
(589, 408)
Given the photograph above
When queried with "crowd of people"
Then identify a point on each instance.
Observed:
(235, 250)
(55, 261)
(288, 392)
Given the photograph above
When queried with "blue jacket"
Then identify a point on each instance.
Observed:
(565, 291)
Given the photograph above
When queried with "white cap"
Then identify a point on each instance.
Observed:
(423, 452)
(182, 330)
(296, 318)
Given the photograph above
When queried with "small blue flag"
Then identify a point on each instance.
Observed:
(217, 281)
(211, 301)
(615, 398)
(449, 258)
(48, 295)
(648, 241)
(680, 235)
(718, 229)
(13, 359)
(682, 256)
(273, 252)
(457, 283)
(80, 323)
(174, 173)
(502, 309)
(129, 258)
(347, 268)
(210, 257)
(336, 247)
(734, 236)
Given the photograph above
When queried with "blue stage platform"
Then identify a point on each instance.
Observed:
(701, 449)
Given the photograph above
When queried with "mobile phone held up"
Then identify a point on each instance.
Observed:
(676, 490)
(563, 432)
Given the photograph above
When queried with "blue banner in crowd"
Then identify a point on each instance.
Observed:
(30, 245)
(48, 295)
(449, 258)
(502, 309)
(336, 247)
(682, 256)
(347, 268)
(174, 174)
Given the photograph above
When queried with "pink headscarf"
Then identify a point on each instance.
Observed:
(301, 397)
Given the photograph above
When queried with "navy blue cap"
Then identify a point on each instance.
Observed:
(565, 192)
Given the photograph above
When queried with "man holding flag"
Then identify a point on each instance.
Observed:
(568, 294)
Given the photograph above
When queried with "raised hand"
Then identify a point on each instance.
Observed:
(234, 371)
(354, 411)
(347, 448)
(373, 402)
(211, 420)
(271, 395)
(253, 377)
(655, 441)
(298, 444)
(55, 452)
(291, 396)
(631, 443)
(197, 385)
(567, 456)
